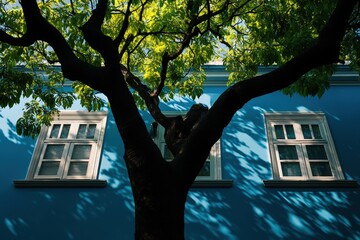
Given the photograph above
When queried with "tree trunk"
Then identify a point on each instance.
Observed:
(160, 217)
(158, 186)
(159, 198)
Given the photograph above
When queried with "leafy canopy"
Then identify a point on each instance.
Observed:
(243, 34)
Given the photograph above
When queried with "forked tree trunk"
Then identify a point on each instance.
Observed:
(157, 186)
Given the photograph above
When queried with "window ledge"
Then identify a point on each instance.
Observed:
(310, 183)
(212, 183)
(89, 183)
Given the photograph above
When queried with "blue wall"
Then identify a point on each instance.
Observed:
(245, 211)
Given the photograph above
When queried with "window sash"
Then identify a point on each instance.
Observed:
(281, 128)
(70, 161)
(304, 162)
(43, 160)
(318, 134)
(67, 124)
(73, 134)
(66, 160)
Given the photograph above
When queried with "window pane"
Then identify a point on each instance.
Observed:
(54, 151)
(287, 152)
(91, 131)
(55, 131)
(81, 131)
(77, 169)
(290, 131)
(65, 131)
(316, 151)
(49, 168)
(81, 152)
(205, 170)
(168, 156)
(316, 131)
(290, 169)
(306, 131)
(320, 169)
(279, 132)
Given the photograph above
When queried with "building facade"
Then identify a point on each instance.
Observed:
(284, 168)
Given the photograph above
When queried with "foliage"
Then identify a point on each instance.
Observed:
(244, 34)
(88, 97)
(44, 98)
(14, 85)
(276, 33)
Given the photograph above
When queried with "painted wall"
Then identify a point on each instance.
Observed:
(245, 211)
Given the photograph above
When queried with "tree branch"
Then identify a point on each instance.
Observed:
(325, 51)
(95, 37)
(192, 32)
(40, 29)
(210, 14)
(234, 13)
(152, 102)
(124, 26)
(167, 58)
(42, 51)
(26, 40)
(128, 40)
(142, 9)
(72, 7)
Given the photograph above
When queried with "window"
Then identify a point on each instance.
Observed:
(212, 167)
(70, 148)
(301, 148)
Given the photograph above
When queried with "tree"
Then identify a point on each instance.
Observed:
(151, 46)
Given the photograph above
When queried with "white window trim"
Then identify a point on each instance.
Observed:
(284, 118)
(70, 117)
(215, 179)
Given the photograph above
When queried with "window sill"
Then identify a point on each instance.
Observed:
(212, 184)
(310, 183)
(103, 183)
(85, 183)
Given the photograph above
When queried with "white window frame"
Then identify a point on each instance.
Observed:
(74, 119)
(297, 119)
(214, 155)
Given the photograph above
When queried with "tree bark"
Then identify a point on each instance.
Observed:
(159, 212)
(157, 185)
(158, 190)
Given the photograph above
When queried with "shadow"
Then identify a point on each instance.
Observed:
(245, 211)
(17, 151)
(65, 213)
(250, 211)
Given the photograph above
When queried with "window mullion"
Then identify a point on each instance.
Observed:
(64, 159)
(305, 161)
(67, 162)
